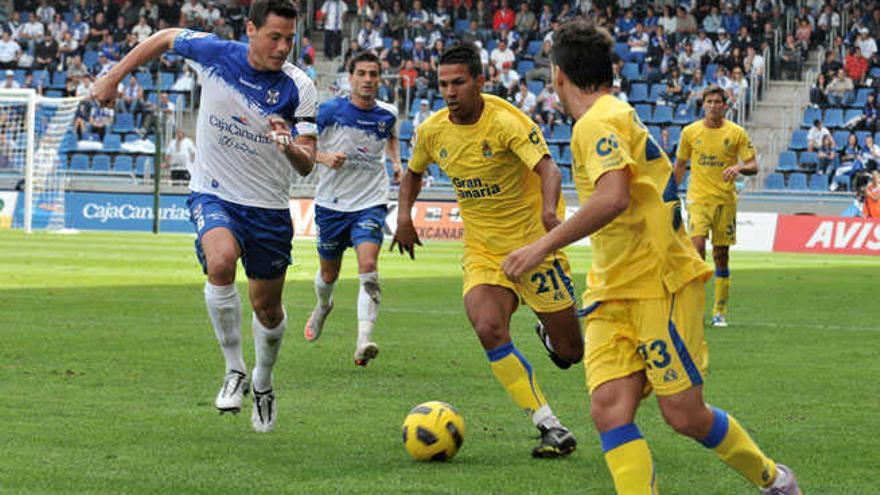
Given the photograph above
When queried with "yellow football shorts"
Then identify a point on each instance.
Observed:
(719, 219)
(546, 289)
(663, 337)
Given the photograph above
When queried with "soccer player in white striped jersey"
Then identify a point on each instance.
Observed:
(239, 201)
(356, 134)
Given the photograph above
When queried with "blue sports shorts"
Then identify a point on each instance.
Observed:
(338, 230)
(263, 234)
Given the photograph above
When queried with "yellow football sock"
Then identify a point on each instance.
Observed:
(722, 292)
(737, 449)
(629, 461)
(515, 374)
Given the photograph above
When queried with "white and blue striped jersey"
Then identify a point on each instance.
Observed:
(235, 160)
(362, 181)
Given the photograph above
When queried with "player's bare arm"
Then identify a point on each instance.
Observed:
(392, 150)
(105, 88)
(610, 199)
(299, 151)
(406, 237)
(680, 170)
(551, 189)
(334, 160)
(748, 168)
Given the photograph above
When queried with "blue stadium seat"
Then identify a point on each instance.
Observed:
(638, 93)
(41, 77)
(53, 93)
(90, 58)
(62, 161)
(622, 50)
(166, 80)
(658, 91)
(809, 159)
(811, 114)
(101, 163)
(861, 136)
(461, 26)
(535, 86)
(654, 131)
(853, 113)
(405, 151)
(787, 162)
(662, 115)
(439, 104)
(861, 98)
(491, 45)
(561, 134)
(59, 80)
(674, 133)
(775, 182)
(554, 152)
(840, 138)
(798, 140)
(387, 42)
(834, 118)
(684, 115)
(79, 163)
(797, 182)
(566, 176)
(406, 130)
(818, 182)
(123, 164)
(631, 71)
(524, 66)
(143, 166)
(534, 47)
(68, 142)
(123, 123)
(112, 142)
(643, 110)
(710, 71)
(566, 158)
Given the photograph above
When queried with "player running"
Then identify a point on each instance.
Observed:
(714, 146)
(645, 293)
(239, 200)
(355, 135)
(508, 189)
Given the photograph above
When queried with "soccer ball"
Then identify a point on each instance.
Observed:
(433, 431)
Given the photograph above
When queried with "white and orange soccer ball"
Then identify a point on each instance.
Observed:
(433, 431)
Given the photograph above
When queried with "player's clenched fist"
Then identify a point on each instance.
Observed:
(336, 159)
(522, 260)
(280, 133)
(104, 91)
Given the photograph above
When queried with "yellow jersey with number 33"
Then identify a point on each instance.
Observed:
(491, 166)
(710, 151)
(643, 253)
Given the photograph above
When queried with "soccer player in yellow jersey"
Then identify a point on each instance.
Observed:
(715, 147)
(645, 293)
(508, 189)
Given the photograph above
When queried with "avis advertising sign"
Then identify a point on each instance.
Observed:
(809, 234)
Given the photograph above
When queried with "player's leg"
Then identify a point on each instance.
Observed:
(678, 386)
(699, 224)
(549, 292)
(266, 256)
(333, 231)
(218, 251)
(366, 237)
(369, 299)
(489, 308)
(615, 372)
(723, 236)
(269, 323)
(613, 406)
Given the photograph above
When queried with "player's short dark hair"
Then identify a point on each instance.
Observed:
(260, 10)
(715, 89)
(464, 53)
(584, 52)
(364, 56)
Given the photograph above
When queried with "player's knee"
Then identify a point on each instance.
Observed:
(269, 316)
(602, 413)
(221, 266)
(367, 266)
(571, 349)
(720, 257)
(491, 331)
(684, 421)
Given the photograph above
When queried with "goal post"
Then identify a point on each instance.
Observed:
(32, 130)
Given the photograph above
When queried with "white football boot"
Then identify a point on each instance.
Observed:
(263, 415)
(235, 386)
(365, 353)
(316, 322)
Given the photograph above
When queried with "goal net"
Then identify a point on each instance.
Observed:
(32, 130)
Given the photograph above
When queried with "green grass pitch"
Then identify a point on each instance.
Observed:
(108, 370)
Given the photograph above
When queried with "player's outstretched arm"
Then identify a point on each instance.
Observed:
(551, 189)
(406, 237)
(610, 199)
(104, 89)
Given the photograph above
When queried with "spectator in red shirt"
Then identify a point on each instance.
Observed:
(408, 77)
(856, 65)
(504, 17)
(871, 208)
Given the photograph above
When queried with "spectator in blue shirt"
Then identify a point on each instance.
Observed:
(730, 20)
